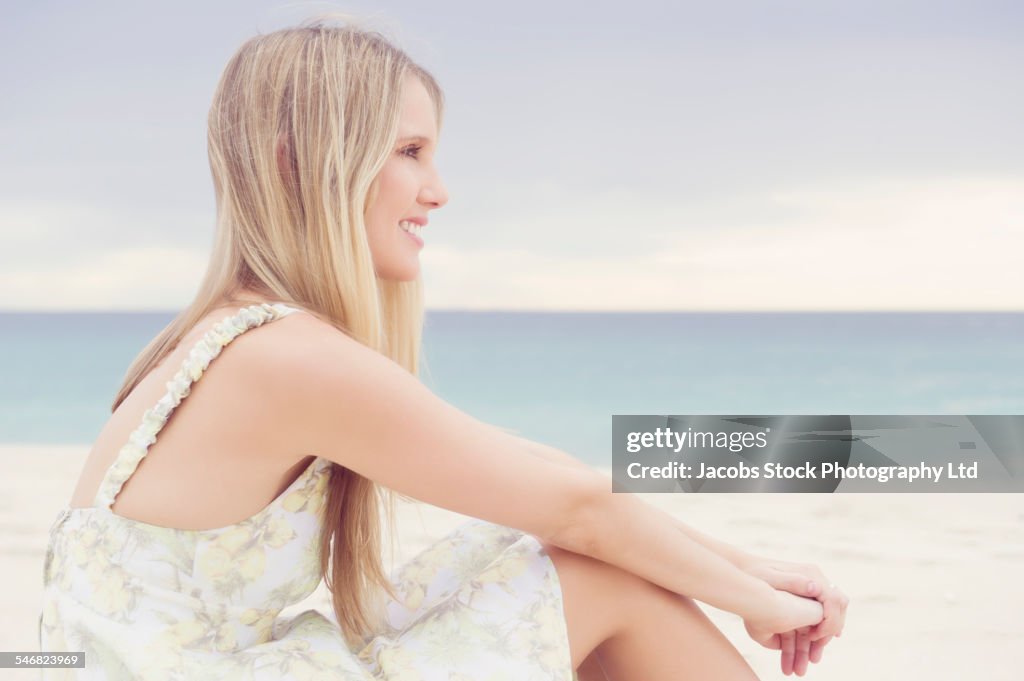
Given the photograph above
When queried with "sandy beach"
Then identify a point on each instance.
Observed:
(934, 579)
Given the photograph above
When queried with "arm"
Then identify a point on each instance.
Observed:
(359, 409)
(792, 577)
(796, 578)
(734, 555)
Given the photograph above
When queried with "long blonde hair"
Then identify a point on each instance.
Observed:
(323, 102)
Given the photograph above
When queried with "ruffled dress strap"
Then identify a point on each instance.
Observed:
(178, 388)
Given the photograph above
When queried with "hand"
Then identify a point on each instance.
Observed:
(803, 580)
(785, 613)
(807, 580)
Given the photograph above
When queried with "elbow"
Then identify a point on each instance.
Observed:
(579, 529)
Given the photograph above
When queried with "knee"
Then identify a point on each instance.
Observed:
(621, 594)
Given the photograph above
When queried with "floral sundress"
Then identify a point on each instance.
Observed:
(156, 603)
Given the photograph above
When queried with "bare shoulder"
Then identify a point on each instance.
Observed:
(289, 352)
(300, 365)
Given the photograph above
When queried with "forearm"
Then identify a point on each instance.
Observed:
(684, 560)
(734, 555)
(625, 531)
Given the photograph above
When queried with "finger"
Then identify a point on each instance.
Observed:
(830, 609)
(844, 601)
(832, 620)
(801, 586)
(803, 650)
(841, 603)
(788, 641)
(818, 649)
(797, 584)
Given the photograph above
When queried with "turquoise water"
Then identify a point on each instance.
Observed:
(558, 377)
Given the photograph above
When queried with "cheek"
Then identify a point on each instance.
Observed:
(378, 209)
(397, 191)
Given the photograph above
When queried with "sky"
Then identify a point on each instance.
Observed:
(731, 156)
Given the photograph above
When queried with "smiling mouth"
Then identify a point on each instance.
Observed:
(411, 227)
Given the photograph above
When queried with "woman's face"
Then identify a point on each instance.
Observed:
(408, 187)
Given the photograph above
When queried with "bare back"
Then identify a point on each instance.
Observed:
(220, 458)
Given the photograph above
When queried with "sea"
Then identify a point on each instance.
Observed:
(558, 377)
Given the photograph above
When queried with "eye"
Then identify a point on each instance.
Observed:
(412, 151)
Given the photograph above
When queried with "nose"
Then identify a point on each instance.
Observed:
(434, 194)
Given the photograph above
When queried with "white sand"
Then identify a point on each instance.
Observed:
(934, 579)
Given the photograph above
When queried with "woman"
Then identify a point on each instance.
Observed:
(321, 143)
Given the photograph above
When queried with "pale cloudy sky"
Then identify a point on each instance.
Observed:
(799, 155)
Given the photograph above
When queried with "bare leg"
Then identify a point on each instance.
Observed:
(644, 632)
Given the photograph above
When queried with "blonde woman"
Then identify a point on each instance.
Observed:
(254, 439)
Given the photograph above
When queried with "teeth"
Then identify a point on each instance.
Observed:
(411, 227)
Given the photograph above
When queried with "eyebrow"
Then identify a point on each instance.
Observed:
(415, 138)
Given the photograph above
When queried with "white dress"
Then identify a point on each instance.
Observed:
(156, 603)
